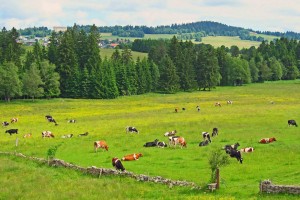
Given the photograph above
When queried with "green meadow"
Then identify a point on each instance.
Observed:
(251, 117)
(108, 53)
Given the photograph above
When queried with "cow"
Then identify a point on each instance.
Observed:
(67, 136)
(117, 164)
(131, 129)
(170, 133)
(236, 154)
(177, 140)
(228, 147)
(52, 120)
(176, 110)
(183, 109)
(47, 134)
(28, 135)
(48, 117)
(203, 143)
(215, 132)
(247, 149)
(206, 136)
(14, 120)
(229, 102)
(100, 144)
(5, 123)
(218, 104)
(12, 131)
(131, 157)
(162, 144)
(267, 140)
(198, 108)
(72, 121)
(83, 134)
(151, 144)
(292, 122)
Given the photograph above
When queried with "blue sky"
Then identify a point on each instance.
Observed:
(264, 15)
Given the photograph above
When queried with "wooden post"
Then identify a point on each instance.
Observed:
(17, 140)
(218, 178)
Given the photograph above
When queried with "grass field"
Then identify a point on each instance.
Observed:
(227, 41)
(108, 53)
(250, 118)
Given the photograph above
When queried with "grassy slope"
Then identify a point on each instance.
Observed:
(250, 118)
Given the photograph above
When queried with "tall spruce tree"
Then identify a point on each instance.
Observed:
(50, 79)
(168, 80)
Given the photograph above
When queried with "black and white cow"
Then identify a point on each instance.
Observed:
(72, 121)
(206, 136)
(162, 144)
(236, 154)
(52, 120)
(131, 129)
(48, 117)
(117, 164)
(229, 147)
(5, 123)
(215, 132)
(292, 122)
(83, 134)
(67, 136)
(151, 144)
(12, 131)
(203, 143)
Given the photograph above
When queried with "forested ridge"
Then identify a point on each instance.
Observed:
(71, 66)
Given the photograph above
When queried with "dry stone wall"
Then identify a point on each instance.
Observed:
(267, 187)
(94, 171)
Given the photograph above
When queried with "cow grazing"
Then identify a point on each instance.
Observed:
(131, 129)
(177, 140)
(206, 136)
(28, 135)
(12, 131)
(215, 132)
(14, 120)
(100, 144)
(47, 134)
(236, 154)
(198, 108)
(247, 149)
(229, 147)
(267, 140)
(67, 136)
(292, 122)
(117, 164)
(48, 117)
(183, 109)
(151, 144)
(218, 104)
(5, 123)
(83, 134)
(72, 121)
(203, 143)
(131, 157)
(170, 133)
(162, 144)
(176, 110)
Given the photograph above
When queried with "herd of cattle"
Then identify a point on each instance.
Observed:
(174, 140)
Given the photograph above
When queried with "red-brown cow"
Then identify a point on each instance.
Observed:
(267, 140)
(131, 157)
(100, 144)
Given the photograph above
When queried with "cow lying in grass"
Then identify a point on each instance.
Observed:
(47, 134)
(83, 134)
(131, 157)
(151, 144)
(67, 136)
(247, 150)
(267, 140)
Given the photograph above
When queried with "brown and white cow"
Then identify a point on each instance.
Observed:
(14, 120)
(267, 140)
(131, 157)
(47, 134)
(247, 150)
(218, 104)
(177, 140)
(100, 144)
(170, 133)
(28, 135)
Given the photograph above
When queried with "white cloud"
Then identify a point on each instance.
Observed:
(256, 14)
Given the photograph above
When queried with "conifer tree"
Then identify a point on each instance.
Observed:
(169, 80)
(32, 82)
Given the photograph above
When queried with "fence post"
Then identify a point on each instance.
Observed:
(218, 178)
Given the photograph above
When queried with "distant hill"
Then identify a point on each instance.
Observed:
(194, 30)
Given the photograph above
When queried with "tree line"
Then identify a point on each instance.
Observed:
(71, 66)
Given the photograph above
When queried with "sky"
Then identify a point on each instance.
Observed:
(262, 15)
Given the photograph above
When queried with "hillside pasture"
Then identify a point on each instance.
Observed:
(252, 116)
(108, 53)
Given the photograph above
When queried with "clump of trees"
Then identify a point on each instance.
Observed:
(71, 66)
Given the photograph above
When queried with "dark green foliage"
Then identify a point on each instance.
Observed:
(32, 82)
